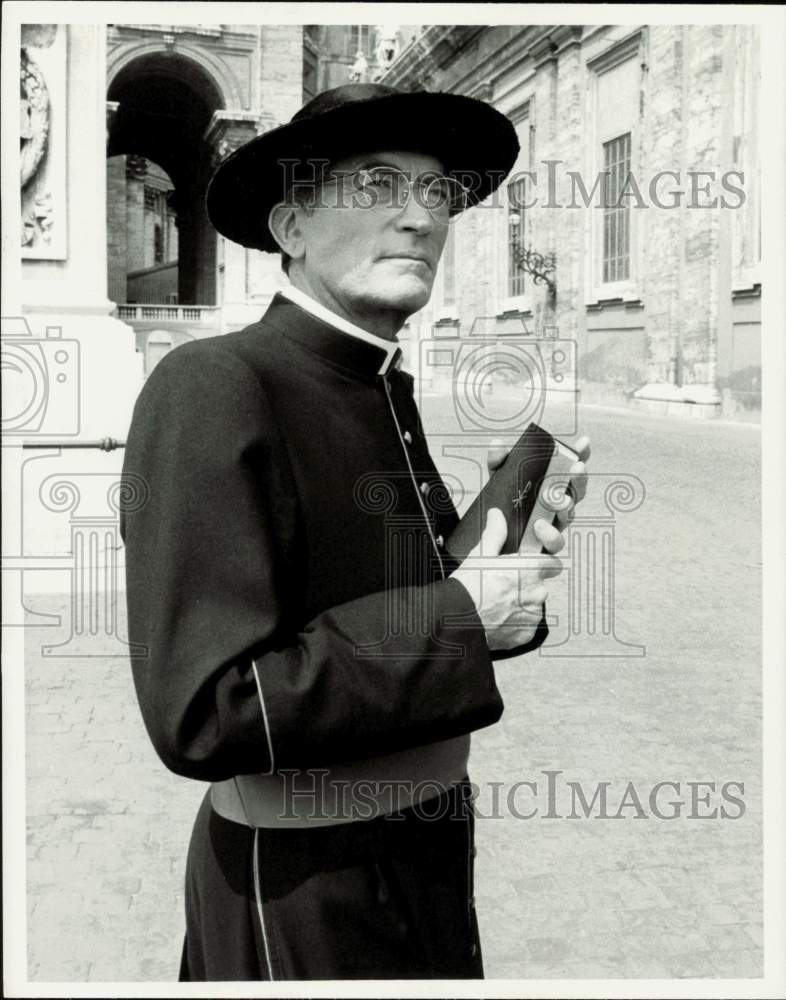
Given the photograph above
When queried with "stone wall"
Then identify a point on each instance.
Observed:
(676, 333)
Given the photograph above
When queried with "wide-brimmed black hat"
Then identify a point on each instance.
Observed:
(473, 141)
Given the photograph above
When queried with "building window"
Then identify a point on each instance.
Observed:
(616, 209)
(363, 37)
(158, 244)
(613, 230)
(517, 199)
(513, 227)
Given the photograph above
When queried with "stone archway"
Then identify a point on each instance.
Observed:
(163, 107)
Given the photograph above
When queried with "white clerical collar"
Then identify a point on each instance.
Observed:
(300, 298)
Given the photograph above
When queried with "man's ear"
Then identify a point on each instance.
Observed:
(285, 223)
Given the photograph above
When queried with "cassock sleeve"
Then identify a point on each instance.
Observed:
(222, 688)
(540, 636)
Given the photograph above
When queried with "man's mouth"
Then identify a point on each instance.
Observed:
(404, 255)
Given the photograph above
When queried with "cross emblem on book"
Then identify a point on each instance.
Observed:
(521, 495)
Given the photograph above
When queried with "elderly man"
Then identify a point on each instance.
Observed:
(311, 650)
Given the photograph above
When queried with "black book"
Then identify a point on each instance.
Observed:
(530, 484)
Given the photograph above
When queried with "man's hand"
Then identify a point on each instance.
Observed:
(498, 452)
(509, 600)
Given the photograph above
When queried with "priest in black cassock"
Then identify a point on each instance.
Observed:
(311, 651)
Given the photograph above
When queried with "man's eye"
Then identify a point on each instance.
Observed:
(440, 190)
(386, 180)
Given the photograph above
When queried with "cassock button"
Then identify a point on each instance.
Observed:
(407, 437)
(474, 950)
(440, 542)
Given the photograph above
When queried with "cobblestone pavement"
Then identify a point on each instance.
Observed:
(635, 896)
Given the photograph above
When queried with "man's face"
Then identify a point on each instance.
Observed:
(367, 257)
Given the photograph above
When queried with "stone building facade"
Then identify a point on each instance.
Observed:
(336, 54)
(142, 234)
(656, 283)
(179, 99)
(184, 97)
(659, 295)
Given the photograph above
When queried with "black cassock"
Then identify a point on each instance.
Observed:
(285, 573)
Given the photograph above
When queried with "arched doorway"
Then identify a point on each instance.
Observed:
(161, 107)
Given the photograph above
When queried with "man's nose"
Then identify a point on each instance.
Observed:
(414, 215)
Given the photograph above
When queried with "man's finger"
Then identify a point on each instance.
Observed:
(565, 517)
(497, 453)
(549, 537)
(582, 447)
(494, 534)
(551, 566)
(578, 480)
(536, 594)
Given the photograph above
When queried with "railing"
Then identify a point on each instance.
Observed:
(105, 444)
(177, 314)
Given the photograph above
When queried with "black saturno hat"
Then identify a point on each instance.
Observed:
(473, 141)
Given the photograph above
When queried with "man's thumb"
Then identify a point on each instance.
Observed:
(494, 533)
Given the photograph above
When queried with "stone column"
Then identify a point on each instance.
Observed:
(67, 297)
(249, 278)
(567, 225)
(684, 290)
(77, 374)
(704, 112)
(11, 236)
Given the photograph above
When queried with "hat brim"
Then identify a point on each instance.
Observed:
(470, 138)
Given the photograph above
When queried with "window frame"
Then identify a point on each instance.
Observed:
(522, 117)
(448, 310)
(616, 212)
(365, 36)
(628, 289)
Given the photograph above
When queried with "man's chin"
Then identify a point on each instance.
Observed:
(406, 293)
